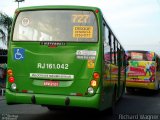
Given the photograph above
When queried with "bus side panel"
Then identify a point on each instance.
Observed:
(157, 79)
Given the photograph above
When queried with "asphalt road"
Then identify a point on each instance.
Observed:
(142, 105)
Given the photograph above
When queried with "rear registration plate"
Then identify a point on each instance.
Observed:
(51, 83)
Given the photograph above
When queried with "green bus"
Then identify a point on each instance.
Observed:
(64, 56)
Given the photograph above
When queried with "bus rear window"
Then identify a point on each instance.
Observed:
(142, 56)
(56, 25)
(136, 56)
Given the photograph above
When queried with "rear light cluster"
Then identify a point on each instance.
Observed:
(10, 76)
(94, 82)
(11, 79)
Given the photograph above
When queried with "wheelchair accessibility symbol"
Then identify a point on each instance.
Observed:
(19, 54)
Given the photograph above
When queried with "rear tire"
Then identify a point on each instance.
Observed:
(50, 108)
(123, 90)
(111, 110)
(130, 90)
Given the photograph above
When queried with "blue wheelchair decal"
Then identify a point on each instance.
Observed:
(19, 54)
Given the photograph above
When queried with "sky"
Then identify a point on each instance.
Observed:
(136, 23)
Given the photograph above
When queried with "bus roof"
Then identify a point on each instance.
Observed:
(138, 51)
(47, 7)
(142, 51)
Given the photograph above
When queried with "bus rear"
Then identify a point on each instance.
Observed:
(142, 71)
(54, 57)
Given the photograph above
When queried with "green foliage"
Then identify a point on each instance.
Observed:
(2, 36)
(5, 23)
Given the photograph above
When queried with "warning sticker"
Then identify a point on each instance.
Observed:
(90, 64)
(83, 32)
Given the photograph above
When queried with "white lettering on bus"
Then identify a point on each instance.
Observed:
(52, 66)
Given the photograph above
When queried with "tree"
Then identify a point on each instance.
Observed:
(2, 36)
(5, 23)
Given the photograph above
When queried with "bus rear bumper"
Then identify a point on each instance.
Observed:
(53, 100)
(144, 85)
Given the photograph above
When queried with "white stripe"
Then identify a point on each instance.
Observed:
(40, 75)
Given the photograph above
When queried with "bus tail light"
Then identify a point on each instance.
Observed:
(96, 75)
(90, 90)
(24, 91)
(97, 11)
(11, 79)
(10, 72)
(79, 94)
(10, 76)
(93, 83)
(13, 86)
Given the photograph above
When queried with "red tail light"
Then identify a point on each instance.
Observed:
(97, 11)
(24, 91)
(79, 94)
(96, 75)
(11, 79)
